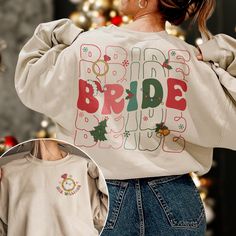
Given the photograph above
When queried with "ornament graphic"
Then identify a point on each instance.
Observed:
(68, 185)
(162, 130)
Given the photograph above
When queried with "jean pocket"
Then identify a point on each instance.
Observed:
(180, 200)
(116, 191)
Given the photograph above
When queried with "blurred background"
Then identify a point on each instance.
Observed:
(18, 20)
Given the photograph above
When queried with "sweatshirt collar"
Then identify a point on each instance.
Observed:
(38, 161)
(135, 32)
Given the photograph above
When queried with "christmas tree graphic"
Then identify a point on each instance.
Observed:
(99, 131)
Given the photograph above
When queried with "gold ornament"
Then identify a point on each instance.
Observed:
(102, 5)
(81, 20)
(175, 30)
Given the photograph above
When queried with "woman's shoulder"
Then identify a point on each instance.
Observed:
(86, 164)
(13, 163)
(179, 42)
(78, 159)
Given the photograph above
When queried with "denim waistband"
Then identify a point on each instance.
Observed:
(158, 179)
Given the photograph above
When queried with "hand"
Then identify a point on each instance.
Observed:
(199, 56)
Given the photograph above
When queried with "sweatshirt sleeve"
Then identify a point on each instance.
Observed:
(46, 69)
(3, 207)
(99, 196)
(221, 50)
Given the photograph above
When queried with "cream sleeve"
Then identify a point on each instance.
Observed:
(98, 196)
(3, 206)
(46, 70)
(221, 52)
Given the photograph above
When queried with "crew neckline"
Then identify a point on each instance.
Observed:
(143, 33)
(36, 160)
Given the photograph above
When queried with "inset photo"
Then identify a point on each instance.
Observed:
(50, 187)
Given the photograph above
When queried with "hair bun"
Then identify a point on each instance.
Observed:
(174, 11)
(186, 5)
(177, 11)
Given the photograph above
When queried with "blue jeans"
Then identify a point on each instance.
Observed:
(160, 206)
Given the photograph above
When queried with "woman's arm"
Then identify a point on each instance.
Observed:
(99, 196)
(221, 52)
(46, 70)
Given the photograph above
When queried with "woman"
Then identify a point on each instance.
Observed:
(142, 104)
(49, 190)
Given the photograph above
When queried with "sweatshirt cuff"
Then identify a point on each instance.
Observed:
(67, 33)
(210, 51)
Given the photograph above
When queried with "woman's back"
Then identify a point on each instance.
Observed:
(140, 103)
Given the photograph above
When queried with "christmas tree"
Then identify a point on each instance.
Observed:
(99, 131)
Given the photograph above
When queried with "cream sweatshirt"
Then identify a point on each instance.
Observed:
(140, 103)
(66, 197)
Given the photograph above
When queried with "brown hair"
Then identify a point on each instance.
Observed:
(177, 11)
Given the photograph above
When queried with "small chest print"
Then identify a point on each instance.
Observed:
(68, 185)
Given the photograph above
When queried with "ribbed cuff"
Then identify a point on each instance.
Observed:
(210, 50)
(67, 33)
